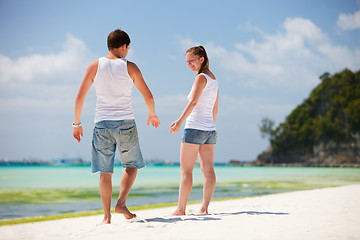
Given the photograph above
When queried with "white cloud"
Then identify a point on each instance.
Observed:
(186, 43)
(289, 60)
(72, 59)
(248, 26)
(45, 83)
(349, 21)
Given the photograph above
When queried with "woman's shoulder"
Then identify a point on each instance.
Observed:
(201, 77)
(209, 74)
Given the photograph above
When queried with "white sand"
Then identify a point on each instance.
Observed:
(331, 213)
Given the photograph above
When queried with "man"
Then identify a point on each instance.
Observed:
(113, 77)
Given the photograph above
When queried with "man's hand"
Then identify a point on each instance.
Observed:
(77, 132)
(153, 119)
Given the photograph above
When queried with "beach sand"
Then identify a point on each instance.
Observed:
(329, 213)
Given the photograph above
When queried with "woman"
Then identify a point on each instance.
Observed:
(199, 132)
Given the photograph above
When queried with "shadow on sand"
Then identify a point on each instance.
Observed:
(202, 217)
(250, 213)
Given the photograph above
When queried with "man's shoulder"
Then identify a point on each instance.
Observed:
(131, 64)
(132, 67)
(92, 68)
(94, 65)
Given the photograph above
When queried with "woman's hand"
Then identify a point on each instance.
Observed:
(175, 126)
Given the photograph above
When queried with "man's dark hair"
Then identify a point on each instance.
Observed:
(117, 38)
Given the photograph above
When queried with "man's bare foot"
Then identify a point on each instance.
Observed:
(104, 221)
(178, 212)
(124, 211)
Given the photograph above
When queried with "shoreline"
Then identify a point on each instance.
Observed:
(26, 220)
(327, 213)
(44, 218)
(75, 214)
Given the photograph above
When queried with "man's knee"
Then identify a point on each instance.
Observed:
(130, 170)
(105, 176)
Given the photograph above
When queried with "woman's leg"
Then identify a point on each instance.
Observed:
(188, 153)
(206, 159)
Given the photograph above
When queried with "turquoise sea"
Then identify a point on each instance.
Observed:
(46, 190)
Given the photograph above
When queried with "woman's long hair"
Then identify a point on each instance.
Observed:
(200, 51)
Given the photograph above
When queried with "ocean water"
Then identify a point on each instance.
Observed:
(46, 190)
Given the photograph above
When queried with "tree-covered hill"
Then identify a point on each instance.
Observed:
(323, 130)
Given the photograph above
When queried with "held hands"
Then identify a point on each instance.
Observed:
(77, 132)
(175, 126)
(154, 121)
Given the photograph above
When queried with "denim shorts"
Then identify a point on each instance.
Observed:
(109, 134)
(200, 137)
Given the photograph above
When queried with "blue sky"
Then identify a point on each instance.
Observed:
(267, 56)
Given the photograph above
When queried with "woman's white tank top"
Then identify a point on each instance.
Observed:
(113, 87)
(202, 117)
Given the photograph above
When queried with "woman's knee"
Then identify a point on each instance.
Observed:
(208, 171)
(186, 172)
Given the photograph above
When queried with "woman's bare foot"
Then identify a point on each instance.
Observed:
(124, 211)
(203, 211)
(106, 220)
(178, 212)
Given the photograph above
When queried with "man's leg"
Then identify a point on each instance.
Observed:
(106, 192)
(127, 181)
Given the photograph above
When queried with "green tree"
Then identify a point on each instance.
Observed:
(331, 113)
(267, 128)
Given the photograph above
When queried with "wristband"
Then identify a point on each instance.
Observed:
(76, 125)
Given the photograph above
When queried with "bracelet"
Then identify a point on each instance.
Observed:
(76, 125)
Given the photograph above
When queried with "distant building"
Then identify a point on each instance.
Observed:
(69, 162)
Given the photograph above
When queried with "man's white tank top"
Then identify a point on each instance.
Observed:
(113, 87)
(202, 117)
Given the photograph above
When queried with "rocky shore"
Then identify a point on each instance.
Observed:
(325, 154)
